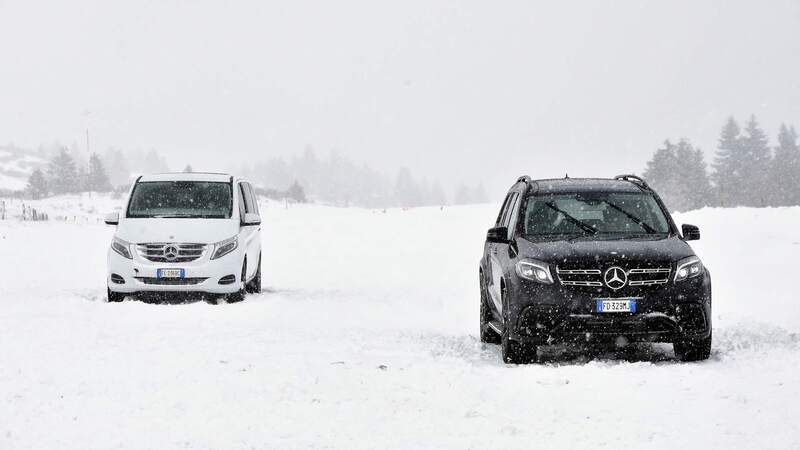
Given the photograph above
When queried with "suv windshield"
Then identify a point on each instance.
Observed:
(181, 199)
(595, 213)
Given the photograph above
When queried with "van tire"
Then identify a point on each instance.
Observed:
(115, 297)
(254, 286)
(239, 295)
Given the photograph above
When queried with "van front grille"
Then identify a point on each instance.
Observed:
(171, 281)
(169, 252)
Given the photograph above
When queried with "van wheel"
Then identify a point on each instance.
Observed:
(254, 286)
(239, 295)
(115, 297)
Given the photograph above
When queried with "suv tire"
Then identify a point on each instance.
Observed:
(488, 335)
(115, 297)
(514, 352)
(693, 349)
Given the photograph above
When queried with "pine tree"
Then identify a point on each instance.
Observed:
(296, 192)
(406, 191)
(62, 173)
(117, 167)
(785, 169)
(462, 195)
(660, 173)
(437, 195)
(97, 178)
(37, 185)
(694, 184)
(728, 164)
(756, 163)
(678, 173)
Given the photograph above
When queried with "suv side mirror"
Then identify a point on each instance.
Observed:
(112, 218)
(497, 235)
(251, 219)
(690, 232)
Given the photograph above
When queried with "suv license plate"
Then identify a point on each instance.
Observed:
(615, 305)
(170, 273)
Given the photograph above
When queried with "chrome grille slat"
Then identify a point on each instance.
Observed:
(578, 271)
(187, 252)
(581, 283)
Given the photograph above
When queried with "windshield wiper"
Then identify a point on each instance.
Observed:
(638, 221)
(580, 224)
(170, 216)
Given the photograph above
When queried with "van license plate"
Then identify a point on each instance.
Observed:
(615, 305)
(170, 273)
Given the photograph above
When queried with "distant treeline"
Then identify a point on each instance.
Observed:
(339, 181)
(334, 180)
(746, 170)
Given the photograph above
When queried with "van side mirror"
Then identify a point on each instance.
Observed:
(498, 235)
(112, 218)
(251, 219)
(690, 232)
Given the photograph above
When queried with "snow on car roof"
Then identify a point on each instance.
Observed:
(585, 185)
(186, 176)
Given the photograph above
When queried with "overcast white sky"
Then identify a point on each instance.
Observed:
(472, 90)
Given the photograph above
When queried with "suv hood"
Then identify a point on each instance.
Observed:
(199, 231)
(616, 251)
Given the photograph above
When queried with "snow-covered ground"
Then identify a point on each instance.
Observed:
(366, 338)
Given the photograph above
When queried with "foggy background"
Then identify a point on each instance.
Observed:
(457, 92)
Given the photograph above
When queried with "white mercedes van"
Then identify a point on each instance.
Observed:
(186, 232)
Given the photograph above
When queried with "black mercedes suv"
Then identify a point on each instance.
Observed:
(591, 260)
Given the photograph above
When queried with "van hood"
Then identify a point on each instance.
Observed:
(645, 250)
(196, 231)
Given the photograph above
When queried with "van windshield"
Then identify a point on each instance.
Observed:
(596, 213)
(181, 199)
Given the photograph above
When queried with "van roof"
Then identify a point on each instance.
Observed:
(187, 176)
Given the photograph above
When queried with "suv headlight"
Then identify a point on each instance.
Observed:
(688, 268)
(533, 270)
(222, 248)
(122, 247)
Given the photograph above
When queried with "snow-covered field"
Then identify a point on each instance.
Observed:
(366, 338)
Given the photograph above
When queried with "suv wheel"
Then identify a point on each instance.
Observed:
(114, 297)
(488, 335)
(514, 352)
(254, 286)
(693, 349)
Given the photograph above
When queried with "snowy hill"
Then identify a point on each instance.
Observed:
(16, 165)
(366, 337)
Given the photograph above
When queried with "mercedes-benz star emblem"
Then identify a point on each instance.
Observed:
(615, 278)
(170, 252)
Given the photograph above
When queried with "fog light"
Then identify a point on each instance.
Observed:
(227, 279)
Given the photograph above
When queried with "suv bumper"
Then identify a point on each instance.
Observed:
(547, 313)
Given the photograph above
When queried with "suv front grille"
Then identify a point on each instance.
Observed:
(168, 252)
(639, 276)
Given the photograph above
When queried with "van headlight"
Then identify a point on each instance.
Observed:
(222, 248)
(688, 268)
(533, 270)
(122, 247)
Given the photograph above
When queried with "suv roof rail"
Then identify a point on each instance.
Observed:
(637, 180)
